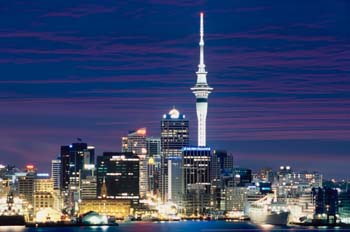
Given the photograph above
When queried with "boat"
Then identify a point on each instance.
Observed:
(12, 215)
(268, 210)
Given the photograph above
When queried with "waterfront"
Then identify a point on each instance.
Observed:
(181, 226)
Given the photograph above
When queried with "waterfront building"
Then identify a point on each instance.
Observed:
(119, 172)
(119, 208)
(174, 136)
(196, 179)
(234, 198)
(221, 164)
(344, 206)
(201, 90)
(135, 142)
(326, 203)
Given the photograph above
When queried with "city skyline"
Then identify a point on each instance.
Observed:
(98, 71)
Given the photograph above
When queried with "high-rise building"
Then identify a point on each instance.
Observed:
(201, 90)
(119, 173)
(174, 136)
(25, 185)
(73, 160)
(153, 154)
(326, 204)
(196, 178)
(56, 173)
(221, 162)
(135, 142)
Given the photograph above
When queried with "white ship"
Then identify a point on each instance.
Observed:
(268, 210)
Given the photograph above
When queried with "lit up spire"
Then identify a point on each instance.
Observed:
(201, 90)
(201, 66)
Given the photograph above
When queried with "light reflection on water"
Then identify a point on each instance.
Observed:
(184, 226)
(12, 228)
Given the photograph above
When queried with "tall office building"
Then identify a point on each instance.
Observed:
(56, 173)
(119, 173)
(326, 203)
(196, 178)
(174, 136)
(201, 90)
(135, 142)
(75, 158)
(221, 162)
(26, 187)
(153, 154)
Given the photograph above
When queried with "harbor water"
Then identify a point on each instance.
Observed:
(179, 226)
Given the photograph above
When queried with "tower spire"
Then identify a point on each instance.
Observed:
(201, 66)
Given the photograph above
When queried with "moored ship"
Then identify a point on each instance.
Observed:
(268, 211)
(11, 213)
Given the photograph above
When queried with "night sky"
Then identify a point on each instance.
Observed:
(97, 69)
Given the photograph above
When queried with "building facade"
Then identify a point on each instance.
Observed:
(74, 158)
(135, 142)
(154, 164)
(196, 179)
(174, 136)
(56, 173)
(119, 172)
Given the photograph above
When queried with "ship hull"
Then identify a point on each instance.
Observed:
(16, 220)
(272, 218)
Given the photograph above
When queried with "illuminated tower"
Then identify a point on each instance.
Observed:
(201, 90)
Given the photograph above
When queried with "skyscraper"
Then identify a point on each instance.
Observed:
(196, 178)
(221, 162)
(56, 173)
(135, 142)
(201, 90)
(119, 172)
(174, 136)
(74, 159)
(153, 153)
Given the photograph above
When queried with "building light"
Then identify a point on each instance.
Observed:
(196, 149)
(141, 131)
(30, 167)
(43, 174)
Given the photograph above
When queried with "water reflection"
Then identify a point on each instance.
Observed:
(12, 228)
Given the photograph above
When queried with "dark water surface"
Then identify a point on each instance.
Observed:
(182, 226)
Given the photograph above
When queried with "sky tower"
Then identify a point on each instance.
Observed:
(201, 90)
